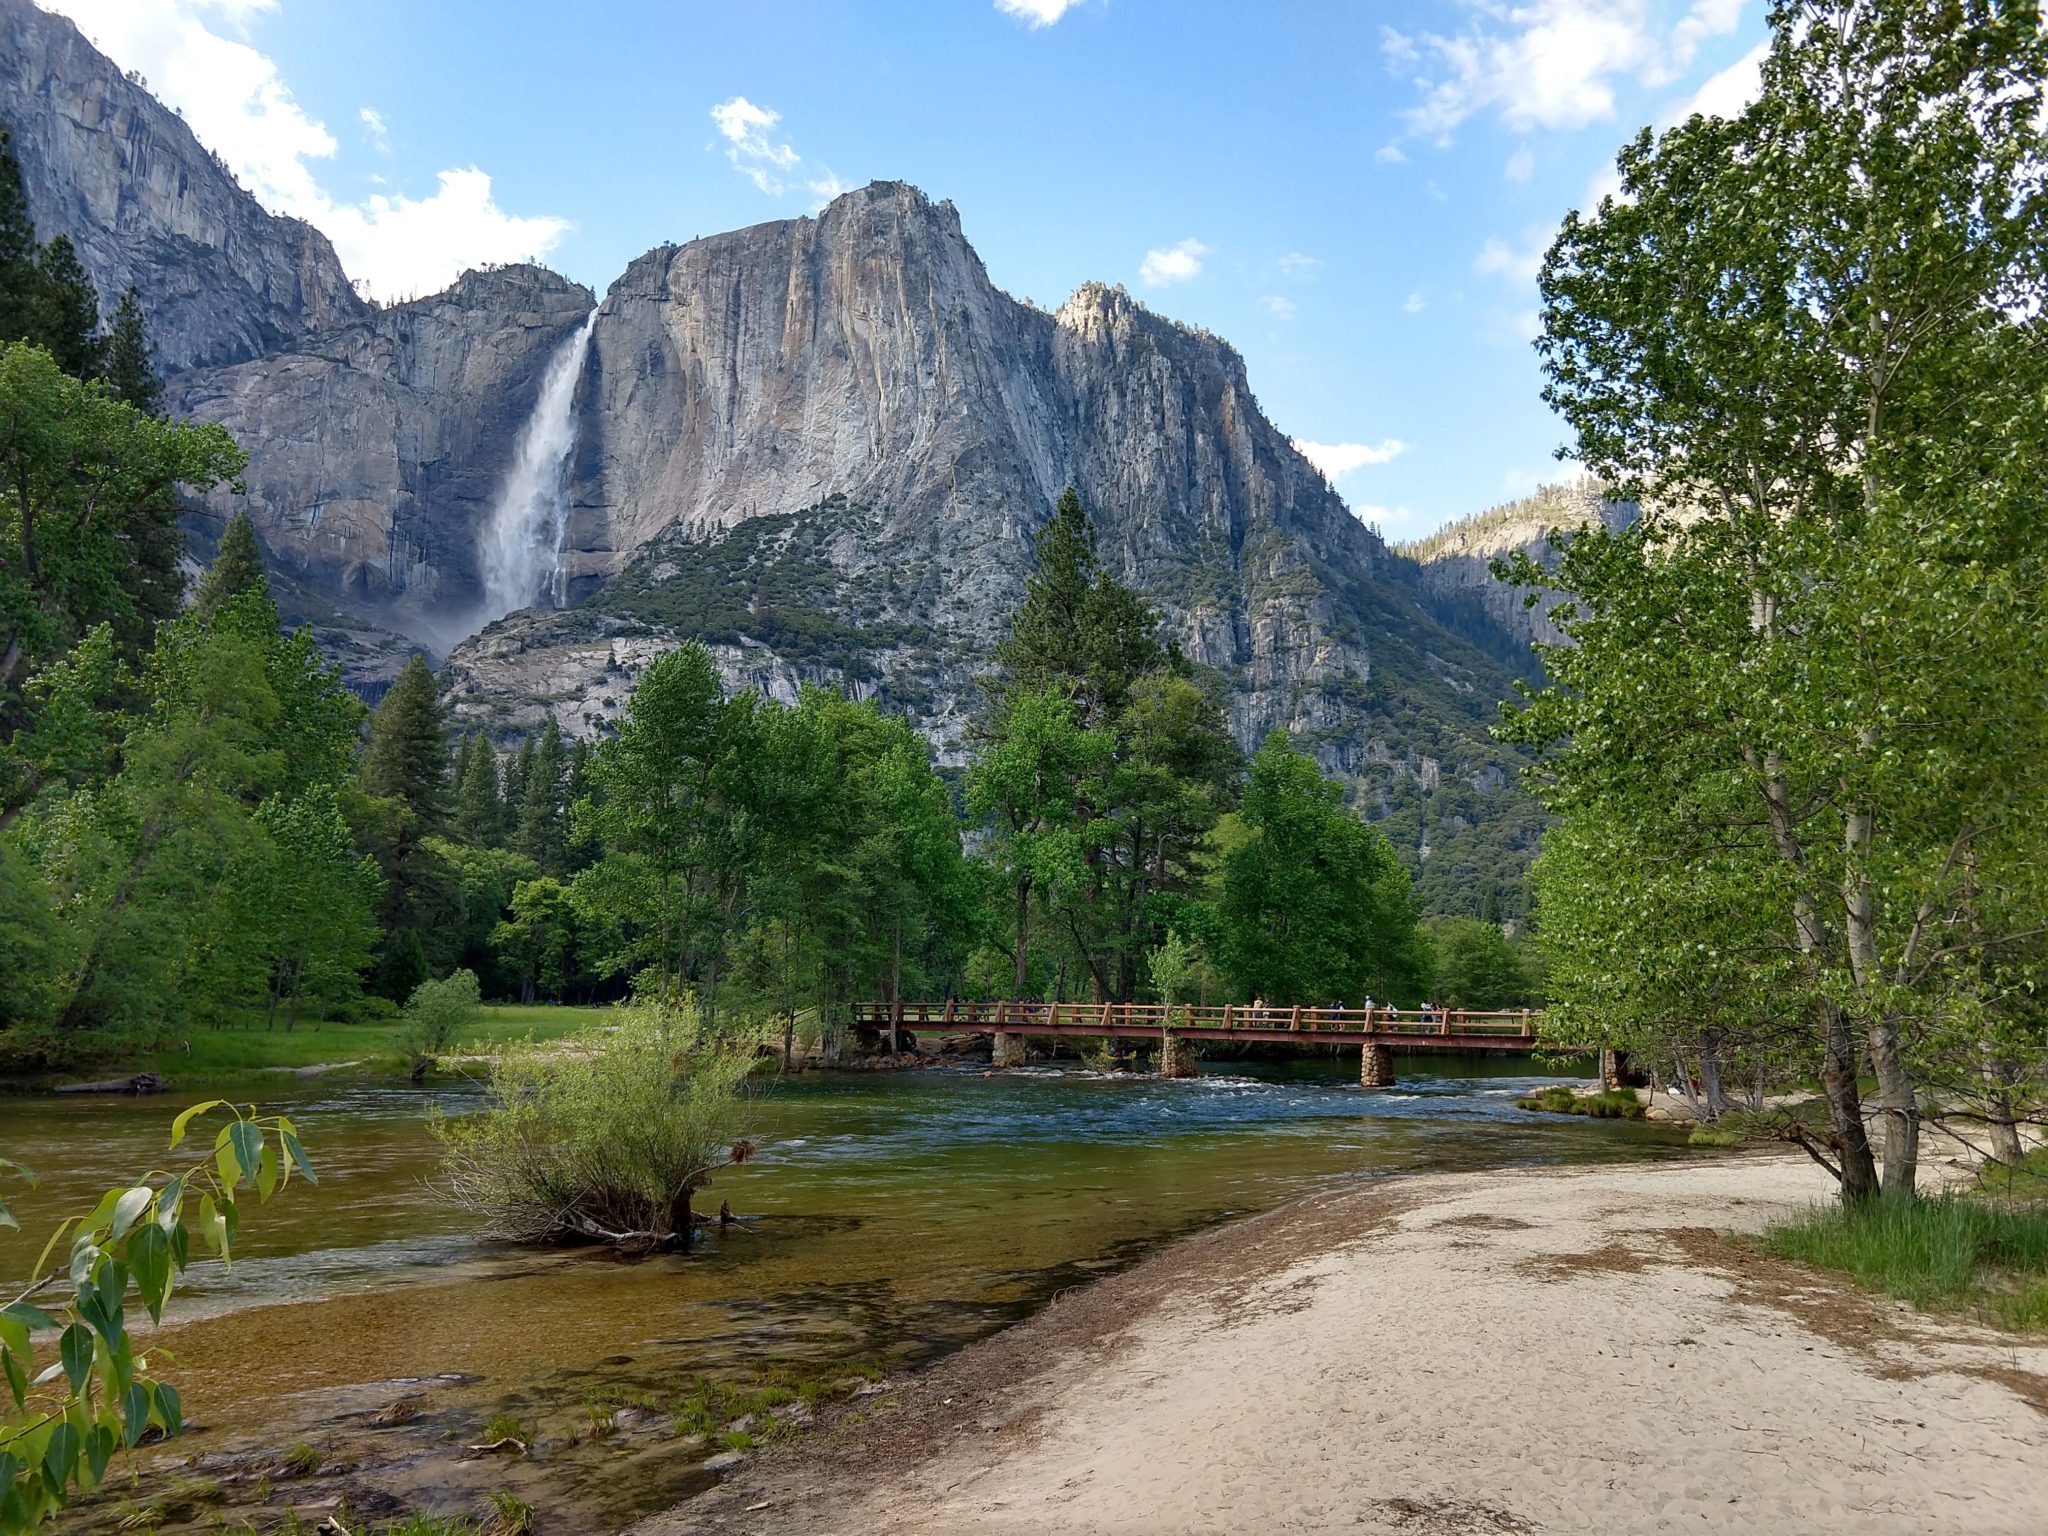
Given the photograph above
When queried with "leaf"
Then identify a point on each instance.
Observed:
(99, 1450)
(101, 1303)
(13, 1334)
(168, 1201)
(28, 1316)
(135, 1413)
(210, 1227)
(149, 1260)
(247, 1139)
(266, 1172)
(74, 1350)
(51, 1246)
(170, 1410)
(131, 1205)
(101, 1214)
(60, 1456)
(188, 1116)
(17, 1381)
(298, 1153)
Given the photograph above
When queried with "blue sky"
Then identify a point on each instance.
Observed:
(1356, 195)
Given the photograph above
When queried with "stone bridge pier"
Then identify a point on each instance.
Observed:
(1376, 1066)
(1176, 1056)
(1008, 1049)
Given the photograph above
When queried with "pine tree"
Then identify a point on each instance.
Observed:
(237, 568)
(127, 366)
(518, 769)
(400, 968)
(540, 805)
(479, 818)
(69, 310)
(20, 284)
(577, 849)
(1045, 643)
(1078, 630)
(407, 756)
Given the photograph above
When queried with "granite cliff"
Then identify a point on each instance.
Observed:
(107, 164)
(823, 445)
(376, 449)
(1454, 564)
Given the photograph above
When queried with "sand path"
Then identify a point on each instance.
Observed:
(1544, 1350)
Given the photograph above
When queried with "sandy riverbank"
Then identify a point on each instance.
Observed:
(1559, 1350)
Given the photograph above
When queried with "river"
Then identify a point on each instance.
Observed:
(887, 1217)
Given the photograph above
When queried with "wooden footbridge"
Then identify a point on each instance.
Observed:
(1376, 1030)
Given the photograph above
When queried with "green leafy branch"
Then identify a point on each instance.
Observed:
(61, 1420)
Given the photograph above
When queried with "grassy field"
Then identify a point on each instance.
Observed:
(213, 1056)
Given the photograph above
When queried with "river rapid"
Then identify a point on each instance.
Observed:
(886, 1218)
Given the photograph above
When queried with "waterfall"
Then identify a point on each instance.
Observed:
(529, 523)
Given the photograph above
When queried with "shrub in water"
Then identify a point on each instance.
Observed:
(435, 1013)
(604, 1135)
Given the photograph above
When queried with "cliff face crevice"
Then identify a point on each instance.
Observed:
(147, 206)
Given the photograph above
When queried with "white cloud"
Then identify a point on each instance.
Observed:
(1499, 259)
(754, 154)
(1279, 307)
(1521, 165)
(1415, 303)
(1337, 460)
(403, 246)
(1725, 94)
(1175, 264)
(769, 162)
(1298, 266)
(1036, 13)
(824, 188)
(1548, 63)
(375, 130)
(234, 101)
(1390, 154)
(1392, 523)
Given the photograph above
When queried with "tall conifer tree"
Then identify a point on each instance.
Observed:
(237, 568)
(69, 307)
(478, 815)
(20, 284)
(540, 805)
(407, 758)
(518, 766)
(127, 364)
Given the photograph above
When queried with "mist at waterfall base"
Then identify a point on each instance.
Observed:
(520, 547)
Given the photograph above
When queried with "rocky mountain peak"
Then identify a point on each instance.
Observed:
(108, 165)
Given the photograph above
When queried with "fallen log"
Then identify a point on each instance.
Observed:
(141, 1082)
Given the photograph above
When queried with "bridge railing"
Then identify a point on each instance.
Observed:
(1024, 1016)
